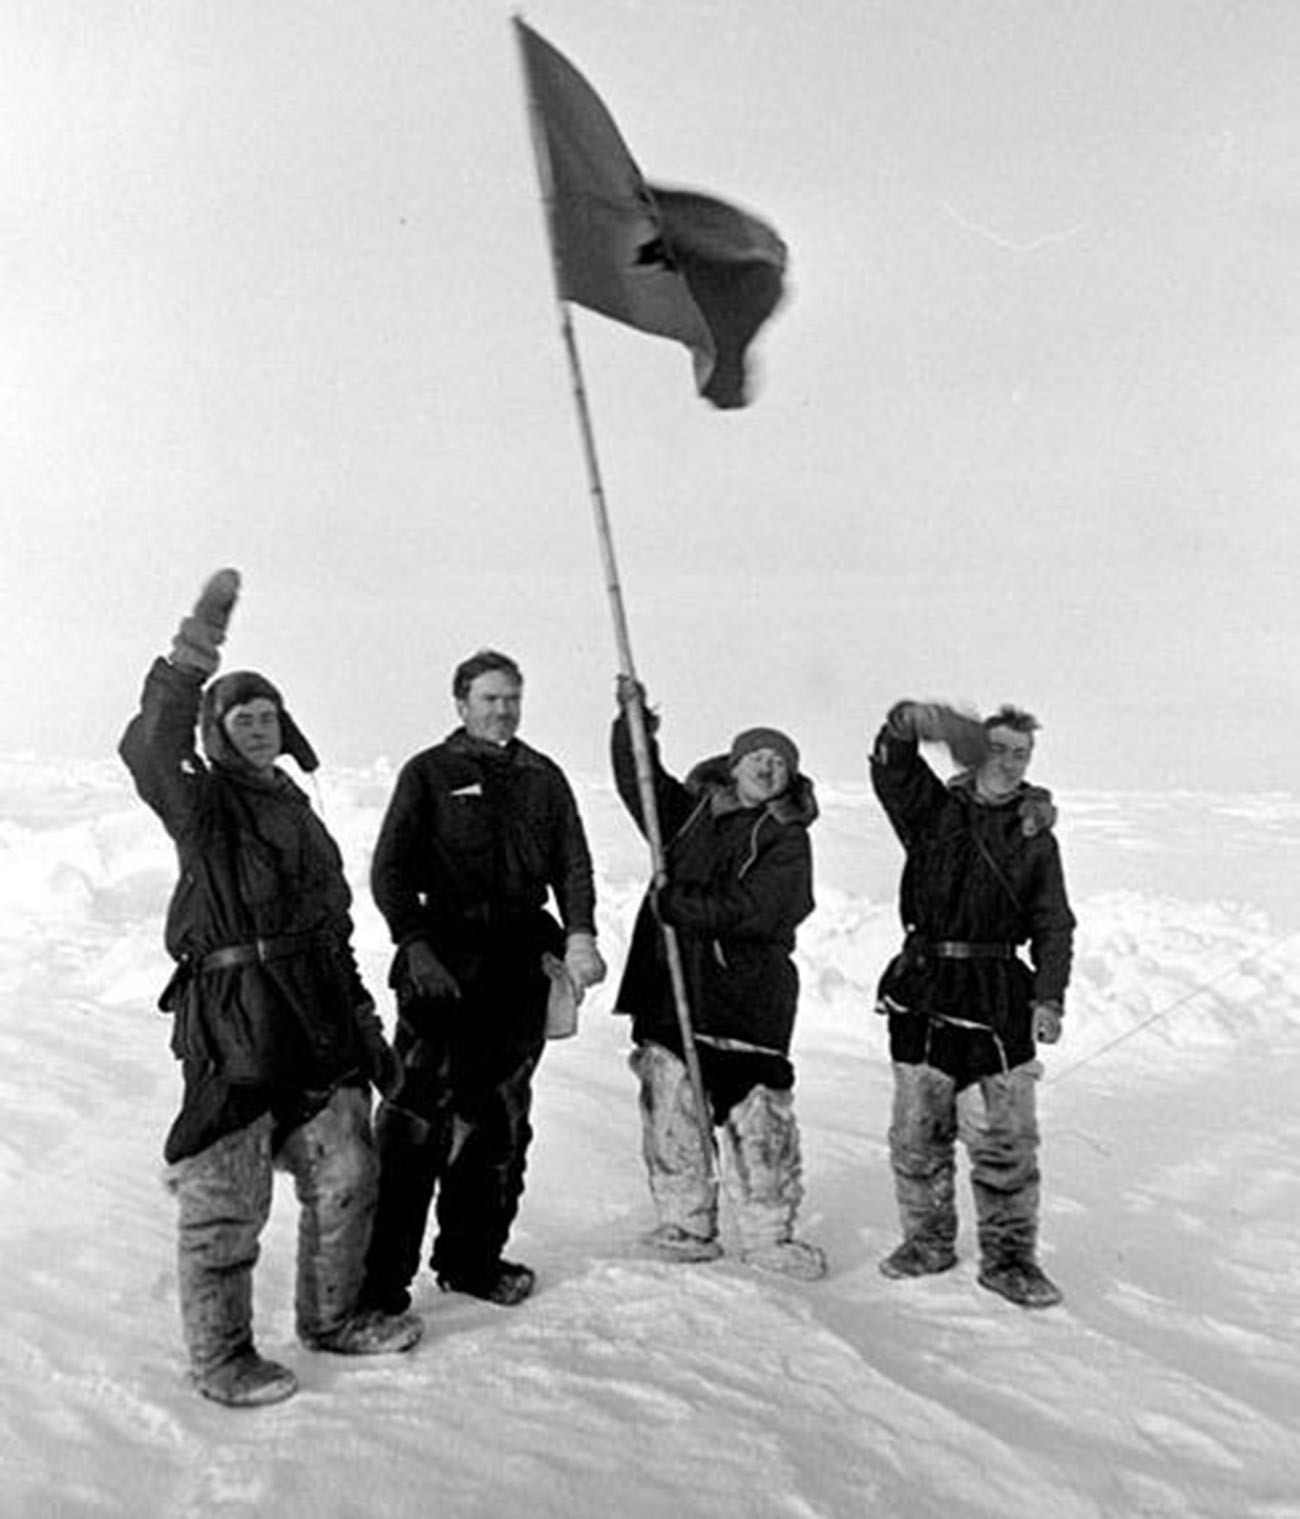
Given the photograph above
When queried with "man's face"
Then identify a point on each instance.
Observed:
(254, 730)
(760, 776)
(1003, 771)
(490, 708)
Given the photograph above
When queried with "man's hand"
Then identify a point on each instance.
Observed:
(583, 962)
(383, 1063)
(428, 976)
(1047, 1022)
(628, 691)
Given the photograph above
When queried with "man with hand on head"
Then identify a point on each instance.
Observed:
(277, 1036)
(982, 879)
(739, 868)
(480, 831)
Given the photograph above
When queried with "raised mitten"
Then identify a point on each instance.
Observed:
(966, 738)
(201, 634)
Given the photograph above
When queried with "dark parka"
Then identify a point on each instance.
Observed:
(475, 839)
(740, 883)
(976, 873)
(255, 864)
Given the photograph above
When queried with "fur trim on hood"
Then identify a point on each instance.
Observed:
(1037, 809)
(712, 778)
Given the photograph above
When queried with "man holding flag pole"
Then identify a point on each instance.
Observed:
(672, 263)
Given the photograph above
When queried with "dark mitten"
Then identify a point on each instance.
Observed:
(201, 634)
(964, 735)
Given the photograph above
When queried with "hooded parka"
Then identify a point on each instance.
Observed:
(985, 878)
(740, 883)
(274, 1023)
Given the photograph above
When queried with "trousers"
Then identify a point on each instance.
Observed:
(464, 1135)
(224, 1194)
(995, 1118)
(759, 1140)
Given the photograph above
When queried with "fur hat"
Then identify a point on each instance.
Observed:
(764, 738)
(234, 690)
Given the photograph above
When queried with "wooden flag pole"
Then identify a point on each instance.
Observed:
(635, 708)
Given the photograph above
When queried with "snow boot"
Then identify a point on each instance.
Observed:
(224, 1198)
(922, 1153)
(1022, 1282)
(762, 1142)
(917, 1257)
(371, 1332)
(247, 1381)
(678, 1167)
(672, 1243)
(794, 1258)
(505, 1283)
(336, 1177)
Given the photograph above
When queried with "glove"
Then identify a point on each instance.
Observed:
(1037, 812)
(383, 1063)
(428, 976)
(203, 632)
(583, 963)
(1047, 1022)
(627, 691)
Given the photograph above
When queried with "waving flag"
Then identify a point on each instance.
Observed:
(674, 263)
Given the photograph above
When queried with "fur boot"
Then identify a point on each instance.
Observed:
(224, 1196)
(762, 1143)
(922, 1150)
(681, 1178)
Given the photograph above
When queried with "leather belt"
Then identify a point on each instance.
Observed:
(258, 952)
(958, 949)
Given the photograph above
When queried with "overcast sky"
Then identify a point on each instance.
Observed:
(276, 294)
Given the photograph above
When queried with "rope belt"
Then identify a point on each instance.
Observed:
(259, 951)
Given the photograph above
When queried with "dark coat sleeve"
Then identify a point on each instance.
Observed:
(571, 875)
(673, 801)
(397, 873)
(1051, 939)
(158, 749)
(908, 790)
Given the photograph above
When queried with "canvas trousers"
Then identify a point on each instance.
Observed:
(224, 1195)
(759, 1141)
(996, 1120)
(466, 1139)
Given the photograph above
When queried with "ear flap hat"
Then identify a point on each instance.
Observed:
(234, 690)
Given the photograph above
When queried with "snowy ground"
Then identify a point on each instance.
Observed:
(1168, 1385)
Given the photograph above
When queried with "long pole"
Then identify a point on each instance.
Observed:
(634, 708)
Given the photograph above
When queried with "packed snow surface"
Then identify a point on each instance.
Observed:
(1167, 1385)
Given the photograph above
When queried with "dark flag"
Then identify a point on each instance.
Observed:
(670, 262)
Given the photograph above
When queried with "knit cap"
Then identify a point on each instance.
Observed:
(764, 738)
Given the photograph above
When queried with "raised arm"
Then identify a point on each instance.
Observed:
(158, 744)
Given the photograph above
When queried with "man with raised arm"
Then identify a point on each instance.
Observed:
(982, 888)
